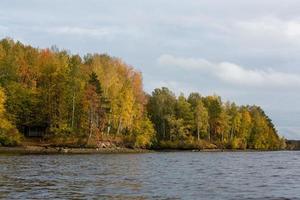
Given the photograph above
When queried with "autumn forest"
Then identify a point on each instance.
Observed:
(77, 100)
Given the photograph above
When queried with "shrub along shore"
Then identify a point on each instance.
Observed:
(81, 102)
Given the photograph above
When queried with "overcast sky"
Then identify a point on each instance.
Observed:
(246, 51)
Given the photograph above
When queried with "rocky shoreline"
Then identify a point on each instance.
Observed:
(66, 150)
(44, 150)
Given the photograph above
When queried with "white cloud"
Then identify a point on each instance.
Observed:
(81, 31)
(293, 29)
(176, 86)
(269, 27)
(233, 73)
(93, 32)
(3, 28)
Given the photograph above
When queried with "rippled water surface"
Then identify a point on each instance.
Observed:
(173, 175)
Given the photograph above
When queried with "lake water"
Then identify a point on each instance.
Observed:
(165, 175)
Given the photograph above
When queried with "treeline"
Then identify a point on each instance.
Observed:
(78, 100)
(183, 122)
(82, 100)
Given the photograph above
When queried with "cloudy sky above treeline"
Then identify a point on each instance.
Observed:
(245, 51)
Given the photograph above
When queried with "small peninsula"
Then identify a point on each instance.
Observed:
(51, 99)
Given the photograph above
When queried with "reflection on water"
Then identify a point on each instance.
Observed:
(176, 175)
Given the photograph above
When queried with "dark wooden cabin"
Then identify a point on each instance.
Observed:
(34, 131)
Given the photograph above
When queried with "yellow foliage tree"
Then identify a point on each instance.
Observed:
(9, 136)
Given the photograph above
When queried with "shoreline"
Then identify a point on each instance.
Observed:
(39, 150)
(28, 150)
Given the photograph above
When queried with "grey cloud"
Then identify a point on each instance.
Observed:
(233, 73)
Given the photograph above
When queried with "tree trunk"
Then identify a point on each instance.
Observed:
(222, 136)
(164, 129)
(231, 133)
(90, 124)
(73, 111)
(120, 126)
(209, 134)
(108, 127)
(198, 131)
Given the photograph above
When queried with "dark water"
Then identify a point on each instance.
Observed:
(175, 175)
